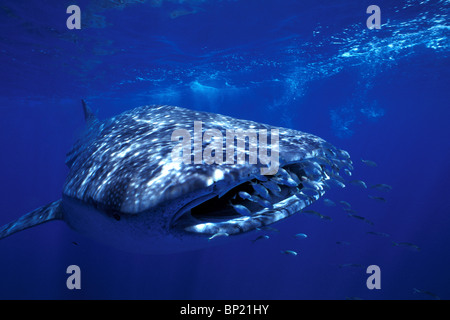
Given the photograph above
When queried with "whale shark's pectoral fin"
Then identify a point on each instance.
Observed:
(51, 211)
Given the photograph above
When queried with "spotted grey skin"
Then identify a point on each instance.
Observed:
(124, 188)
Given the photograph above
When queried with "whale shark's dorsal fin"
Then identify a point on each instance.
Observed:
(89, 116)
(51, 211)
(92, 123)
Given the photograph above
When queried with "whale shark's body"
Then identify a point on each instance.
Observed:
(124, 189)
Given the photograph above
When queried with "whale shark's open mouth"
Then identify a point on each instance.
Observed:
(264, 200)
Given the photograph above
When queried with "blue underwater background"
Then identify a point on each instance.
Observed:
(313, 66)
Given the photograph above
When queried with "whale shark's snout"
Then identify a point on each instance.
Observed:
(164, 178)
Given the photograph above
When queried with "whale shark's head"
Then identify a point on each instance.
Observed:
(174, 173)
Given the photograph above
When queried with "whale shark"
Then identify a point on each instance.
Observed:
(124, 188)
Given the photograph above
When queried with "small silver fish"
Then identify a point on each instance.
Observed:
(345, 204)
(312, 184)
(301, 236)
(244, 195)
(381, 234)
(338, 183)
(262, 202)
(338, 164)
(242, 210)
(329, 203)
(369, 163)
(260, 237)
(336, 176)
(268, 228)
(360, 218)
(330, 152)
(379, 199)
(313, 172)
(343, 243)
(382, 187)
(350, 166)
(359, 183)
(261, 191)
(406, 244)
(313, 164)
(415, 290)
(315, 213)
(285, 181)
(309, 192)
(283, 173)
(325, 185)
(323, 161)
(344, 154)
(295, 177)
(273, 187)
(289, 252)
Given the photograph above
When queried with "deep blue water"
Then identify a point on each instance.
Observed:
(309, 65)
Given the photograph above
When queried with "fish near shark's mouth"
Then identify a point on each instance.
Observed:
(264, 200)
